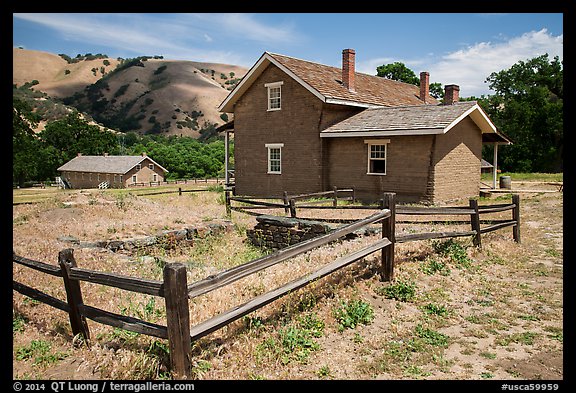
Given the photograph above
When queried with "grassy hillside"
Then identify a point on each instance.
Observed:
(147, 95)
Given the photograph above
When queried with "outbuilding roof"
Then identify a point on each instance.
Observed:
(105, 164)
(413, 120)
(325, 82)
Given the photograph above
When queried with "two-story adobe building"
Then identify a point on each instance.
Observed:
(303, 127)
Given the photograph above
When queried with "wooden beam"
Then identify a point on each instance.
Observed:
(225, 318)
(431, 235)
(388, 231)
(73, 294)
(124, 322)
(475, 223)
(149, 287)
(516, 217)
(221, 279)
(40, 296)
(178, 319)
(36, 265)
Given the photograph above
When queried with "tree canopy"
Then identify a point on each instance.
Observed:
(37, 156)
(528, 107)
(399, 72)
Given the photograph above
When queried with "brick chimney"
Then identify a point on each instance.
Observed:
(348, 60)
(78, 154)
(424, 85)
(143, 154)
(451, 94)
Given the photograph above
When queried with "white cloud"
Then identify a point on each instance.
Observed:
(174, 36)
(470, 67)
(247, 27)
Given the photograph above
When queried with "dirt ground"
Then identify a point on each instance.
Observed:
(495, 313)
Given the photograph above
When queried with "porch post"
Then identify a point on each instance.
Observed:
(495, 165)
(226, 162)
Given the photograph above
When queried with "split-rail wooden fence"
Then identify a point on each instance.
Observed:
(176, 291)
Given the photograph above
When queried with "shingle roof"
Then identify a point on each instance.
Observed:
(415, 120)
(485, 164)
(326, 83)
(417, 117)
(104, 164)
(369, 89)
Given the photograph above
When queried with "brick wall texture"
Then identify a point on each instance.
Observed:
(428, 168)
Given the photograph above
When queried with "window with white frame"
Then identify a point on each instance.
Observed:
(275, 157)
(151, 167)
(134, 179)
(377, 152)
(274, 95)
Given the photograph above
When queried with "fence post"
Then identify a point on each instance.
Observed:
(475, 223)
(228, 207)
(179, 191)
(286, 203)
(516, 217)
(292, 208)
(389, 231)
(335, 201)
(178, 319)
(73, 294)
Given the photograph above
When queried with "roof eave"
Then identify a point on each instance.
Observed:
(375, 132)
(480, 118)
(228, 104)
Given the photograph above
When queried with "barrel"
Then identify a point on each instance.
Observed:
(506, 182)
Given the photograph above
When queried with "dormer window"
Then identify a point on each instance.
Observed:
(274, 95)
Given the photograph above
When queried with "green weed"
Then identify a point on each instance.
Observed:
(352, 313)
(294, 342)
(39, 350)
(432, 266)
(403, 291)
(435, 309)
(18, 322)
(454, 250)
(431, 337)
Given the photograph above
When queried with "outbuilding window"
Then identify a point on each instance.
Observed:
(275, 158)
(377, 152)
(274, 95)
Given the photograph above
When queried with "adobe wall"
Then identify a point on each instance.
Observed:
(295, 125)
(407, 167)
(457, 157)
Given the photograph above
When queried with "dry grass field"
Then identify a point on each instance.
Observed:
(453, 312)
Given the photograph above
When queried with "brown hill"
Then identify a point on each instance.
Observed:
(153, 95)
(56, 76)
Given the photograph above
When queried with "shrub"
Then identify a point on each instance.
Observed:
(351, 314)
(403, 291)
(160, 70)
(454, 250)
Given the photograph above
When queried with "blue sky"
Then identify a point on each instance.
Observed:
(455, 48)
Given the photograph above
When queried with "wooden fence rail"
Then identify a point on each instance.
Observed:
(474, 211)
(176, 292)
